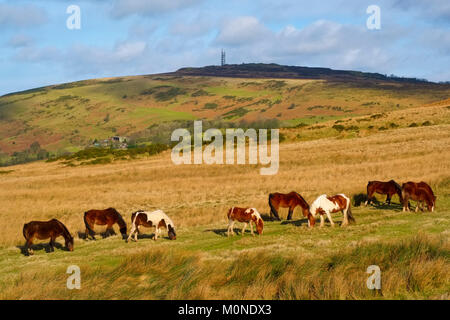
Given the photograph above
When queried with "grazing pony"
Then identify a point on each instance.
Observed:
(420, 192)
(43, 230)
(157, 219)
(327, 205)
(389, 188)
(106, 217)
(247, 216)
(289, 200)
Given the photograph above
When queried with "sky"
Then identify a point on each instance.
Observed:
(134, 37)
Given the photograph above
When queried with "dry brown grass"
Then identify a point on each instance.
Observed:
(197, 195)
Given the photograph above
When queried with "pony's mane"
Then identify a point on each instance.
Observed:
(66, 231)
(397, 185)
(303, 200)
(119, 216)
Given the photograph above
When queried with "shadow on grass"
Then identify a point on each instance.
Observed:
(144, 236)
(41, 246)
(103, 235)
(297, 223)
(237, 231)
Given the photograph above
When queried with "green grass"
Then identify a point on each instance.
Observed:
(205, 257)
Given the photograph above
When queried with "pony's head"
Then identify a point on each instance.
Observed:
(430, 200)
(256, 218)
(172, 234)
(259, 225)
(69, 242)
(311, 220)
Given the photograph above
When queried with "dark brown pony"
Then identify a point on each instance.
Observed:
(289, 200)
(106, 217)
(389, 188)
(420, 192)
(43, 230)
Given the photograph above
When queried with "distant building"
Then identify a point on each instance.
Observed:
(116, 142)
(119, 139)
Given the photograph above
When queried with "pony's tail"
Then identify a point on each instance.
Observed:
(272, 208)
(87, 225)
(24, 231)
(351, 219)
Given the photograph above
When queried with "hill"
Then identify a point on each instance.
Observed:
(70, 117)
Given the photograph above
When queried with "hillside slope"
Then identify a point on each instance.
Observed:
(69, 117)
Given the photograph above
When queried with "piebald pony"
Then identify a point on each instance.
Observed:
(157, 219)
(328, 205)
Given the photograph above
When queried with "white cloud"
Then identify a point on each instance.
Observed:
(18, 16)
(20, 40)
(123, 8)
(242, 31)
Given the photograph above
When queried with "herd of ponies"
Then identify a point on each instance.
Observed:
(323, 206)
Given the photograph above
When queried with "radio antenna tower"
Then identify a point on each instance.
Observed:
(223, 58)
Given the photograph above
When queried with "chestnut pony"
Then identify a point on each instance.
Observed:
(106, 217)
(289, 200)
(420, 192)
(43, 230)
(389, 188)
(247, 216)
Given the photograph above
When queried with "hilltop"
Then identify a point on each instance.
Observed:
(69, 117)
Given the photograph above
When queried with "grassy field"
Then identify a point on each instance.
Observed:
(289, 261)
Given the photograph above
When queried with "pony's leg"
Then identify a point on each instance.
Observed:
(329, 218)
(243, 229)
(133, 228)
(27, 247)
(52, 244)
(345, 222)
(322, 221)
(232, 227)
(405, 204)
(136, 234)
(291, 211)
(275, 210)
(369, 198)
(388, 199)
(251, 228)
(156, 234)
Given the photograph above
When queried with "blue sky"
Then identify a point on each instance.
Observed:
(131, 37)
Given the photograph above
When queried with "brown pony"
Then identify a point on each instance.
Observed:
(420, 192)
(43, 230)
(289, 200)
(389, 188)
(106, 217)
